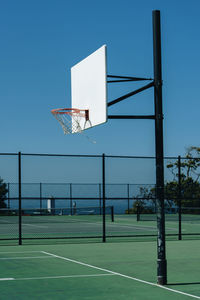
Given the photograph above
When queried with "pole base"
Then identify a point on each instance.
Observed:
(161, 280)
(162, 271)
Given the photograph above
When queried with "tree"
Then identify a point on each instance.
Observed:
(190, 166)
(3, 192)
(189, 188)
(144, 202)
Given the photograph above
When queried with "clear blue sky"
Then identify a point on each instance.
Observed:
(42, 40)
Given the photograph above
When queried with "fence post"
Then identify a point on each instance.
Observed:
(8, 195)
(70, 196)
(20, 198)
(138, 212)
(179, 200)
(40, 195)
(103, 197)
(128, 194)
(100, 208)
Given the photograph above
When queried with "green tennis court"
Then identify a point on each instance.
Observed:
(147, 225)
(90, 225)
(98, 271)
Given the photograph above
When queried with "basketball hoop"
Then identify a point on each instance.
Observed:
(72, 120)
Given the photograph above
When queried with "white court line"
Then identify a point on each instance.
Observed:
(19, 252)
(39, 226)
(137, 227)
(122, 275)
(7, 222)
(6, 279)
(57, 277)
(19, 257)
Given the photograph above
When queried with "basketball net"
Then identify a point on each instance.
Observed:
(71, 119)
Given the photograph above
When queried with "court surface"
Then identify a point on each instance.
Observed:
(86, 226)
(109, 270)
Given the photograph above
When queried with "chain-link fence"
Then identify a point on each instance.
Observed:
(81, 196)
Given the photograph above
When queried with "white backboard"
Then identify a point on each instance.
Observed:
(89, 87)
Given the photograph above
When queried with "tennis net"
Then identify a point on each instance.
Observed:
(186, 214)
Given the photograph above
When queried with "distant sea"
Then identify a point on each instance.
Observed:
(122, 195)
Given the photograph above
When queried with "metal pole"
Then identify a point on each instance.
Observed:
(179, 199)
(103, 198)
(70, 196)
(20, 198)
(40, 195)
(161, 249)
(8, 195)
(138, 211)
(128, 194)
(100, 208)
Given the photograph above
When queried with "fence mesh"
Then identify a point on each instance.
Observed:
(53, 186)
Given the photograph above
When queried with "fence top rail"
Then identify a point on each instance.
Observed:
(82, 183)
(93, 155)
(59, 155)
(9, 154)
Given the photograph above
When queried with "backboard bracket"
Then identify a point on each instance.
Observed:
(125, 78)
(151, 84)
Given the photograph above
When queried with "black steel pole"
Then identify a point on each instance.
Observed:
(40, 195)
(8, 195)
(128, 194)
(100, 208)
(70, 196)
(20, 198)
(103, 198)
(161, 249)
(179, 200)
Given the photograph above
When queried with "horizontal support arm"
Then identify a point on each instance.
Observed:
(151, 117)
(120, 80)
(131, 93)
(129, 77)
